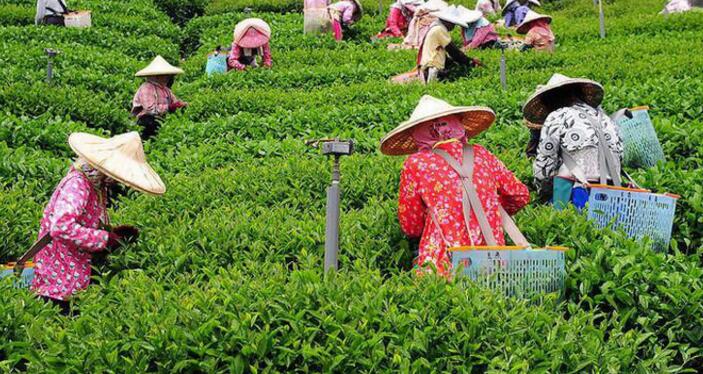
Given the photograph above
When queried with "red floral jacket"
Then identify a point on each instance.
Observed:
(428, 184)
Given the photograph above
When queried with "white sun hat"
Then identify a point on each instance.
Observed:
(159, 66)
(536, 110)
(433, 5)
(400, 141)
(530, 17)
(469, 16)
(252, 41)
(121, 158)
(451, 14)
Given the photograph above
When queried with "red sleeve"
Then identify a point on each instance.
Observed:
(233, 60)
(411, 208)
(267, 55)
(513, 194)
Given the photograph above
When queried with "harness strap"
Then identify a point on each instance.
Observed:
(471, 201)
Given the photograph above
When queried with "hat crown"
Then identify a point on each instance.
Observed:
(129, 145)
(557, 78)
(159, 66)
(429, 106)
(469, 15)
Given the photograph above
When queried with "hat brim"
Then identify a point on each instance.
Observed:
(536, 111)
(523, 29)
(131, 173)
(253, 41)
(448, 18)
(398, 142)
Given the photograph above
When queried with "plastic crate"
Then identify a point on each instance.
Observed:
(639, 213)
(216, 64)
(27, 274)
(514, 271)
(642, 147)
(78, 19)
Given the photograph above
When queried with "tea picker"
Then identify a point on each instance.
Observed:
(335, 148)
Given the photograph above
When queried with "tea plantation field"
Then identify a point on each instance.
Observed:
(227, 275)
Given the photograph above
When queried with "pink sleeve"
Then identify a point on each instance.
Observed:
(267, 55)
(348, 14)
(411, 208)
(233, 59)
(394, 21)
(513, 194)
(70, 203)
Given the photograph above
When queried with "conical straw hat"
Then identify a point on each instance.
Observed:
(159, 66)
(531, 16)
(121, 158)
(536, 110)
(399, 141)
(451, 14)
(469, 16)
(252, 40)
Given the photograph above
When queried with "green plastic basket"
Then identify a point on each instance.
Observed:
(642, 147)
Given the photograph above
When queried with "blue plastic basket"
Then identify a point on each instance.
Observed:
(642, 148)
(216, 64)
(514, 271)
(638, 213)
(27, 274)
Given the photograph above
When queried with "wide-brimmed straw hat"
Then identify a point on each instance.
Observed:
(531, 17)
(252, 33)
(533, 2)
(159, 66)
(121, 158)
(469, 16)
(451, 14)
(400, 141)
(536, 110)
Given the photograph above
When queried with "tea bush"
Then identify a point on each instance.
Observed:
(226, 276)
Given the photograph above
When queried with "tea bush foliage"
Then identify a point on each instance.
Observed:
(227, 274)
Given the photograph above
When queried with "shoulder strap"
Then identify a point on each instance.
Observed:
(471, 201)
(608, 165)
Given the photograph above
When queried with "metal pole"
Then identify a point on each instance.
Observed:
(503, 70)
(49, 70)
(380, 7)
(332, 228)
(602, 19)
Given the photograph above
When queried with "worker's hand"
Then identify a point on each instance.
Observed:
(114, 241)
(129, 234)
(177, 105)
(476, 63)
(268, 64)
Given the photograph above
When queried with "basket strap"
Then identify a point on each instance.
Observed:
(573, 167)
(606, 158)
(471, 201)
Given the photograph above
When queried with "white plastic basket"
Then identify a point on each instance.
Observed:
(79, 19)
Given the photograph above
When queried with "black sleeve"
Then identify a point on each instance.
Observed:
(457, 55)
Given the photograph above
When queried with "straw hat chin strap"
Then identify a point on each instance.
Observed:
(471, 202)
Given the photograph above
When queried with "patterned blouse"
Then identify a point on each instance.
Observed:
(569, 129)
(428, 184)
(72, 218)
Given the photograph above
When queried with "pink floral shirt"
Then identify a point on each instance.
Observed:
(72, 219)
(428, 184)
